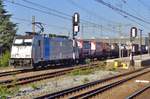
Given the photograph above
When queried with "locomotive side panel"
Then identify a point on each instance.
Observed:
(55, 49)
(61, 49)
(37, 53)
(67, 49)
(46, 48)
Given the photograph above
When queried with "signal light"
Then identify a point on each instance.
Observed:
(76, 21)
(133, 32)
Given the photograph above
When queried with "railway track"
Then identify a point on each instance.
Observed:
(14, 72)
(139, 93)
(89, 90)
(21, 81)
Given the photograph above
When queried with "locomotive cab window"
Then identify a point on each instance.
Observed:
(23, 42)
(28, 42)
(18, 42)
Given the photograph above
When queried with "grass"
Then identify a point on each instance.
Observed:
(34, 86)
(6, 92)
(87, 61)
(4, 61)
(88, 70)
(102, 65)
(82, 71)
(85, 80)
(112, 69)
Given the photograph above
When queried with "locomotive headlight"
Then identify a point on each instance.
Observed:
(11, 61)
(28, 61)
(14, 55)
(27, 55)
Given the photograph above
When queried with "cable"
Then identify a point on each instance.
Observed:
(29, 21)
(132, 20)
(121, 11)
(124, 1)
(20, 19)
(90, 12)
(39, 10)
(41, 6)
(145, 5)
(127, 4)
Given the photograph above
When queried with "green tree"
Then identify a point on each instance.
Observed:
(7, 28)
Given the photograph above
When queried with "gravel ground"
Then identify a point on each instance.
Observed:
(59, 83)
(5, 69)
(28, 74)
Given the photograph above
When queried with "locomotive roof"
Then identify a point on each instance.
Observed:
(24, 37)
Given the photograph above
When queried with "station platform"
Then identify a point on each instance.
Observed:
(139, 60)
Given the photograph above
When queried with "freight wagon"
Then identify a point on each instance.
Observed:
(136, 49)
(144, 49)
(93, 49)
(114, 50)
(84, 49)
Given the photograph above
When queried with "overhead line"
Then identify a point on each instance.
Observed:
(145, 5)
(89, 12)
(127, 4)
(83, 20)
(126, 17)
(29, 21)
(39, 10)
(41, 6)
(49, 13)
(121, 11)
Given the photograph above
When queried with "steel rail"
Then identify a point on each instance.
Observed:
(7, 73)
(26, 80)
(95, 92)
(135, 94)
(76, 89)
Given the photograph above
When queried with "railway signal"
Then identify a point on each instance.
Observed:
(76, 28)
(133, 34)
(76, 21)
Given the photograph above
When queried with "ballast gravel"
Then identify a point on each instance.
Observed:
(59, 83)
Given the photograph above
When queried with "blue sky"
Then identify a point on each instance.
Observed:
(109, 22)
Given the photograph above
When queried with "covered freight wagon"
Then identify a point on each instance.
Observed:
(93, 49)
(85, 49)
(114, 50)
(97, 49)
